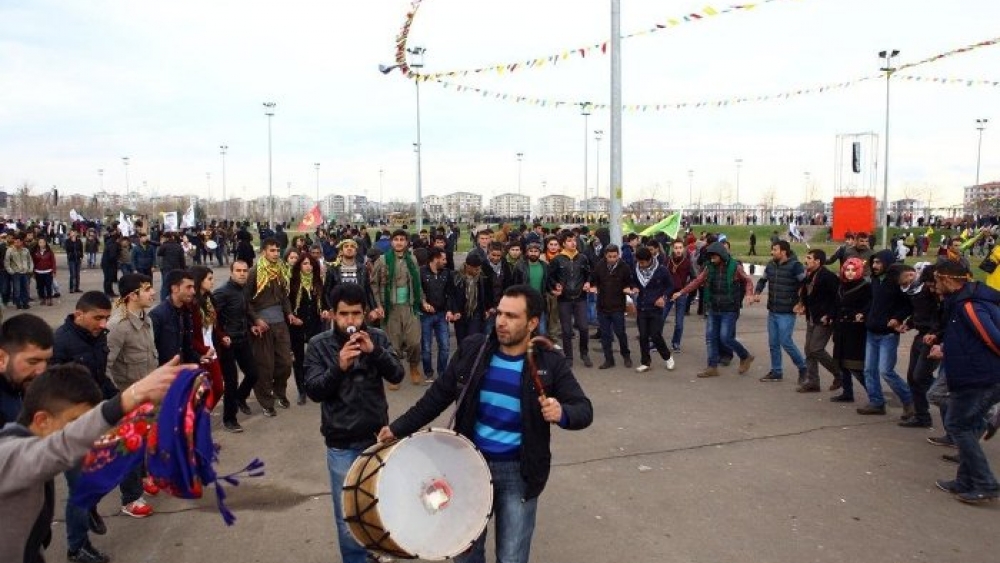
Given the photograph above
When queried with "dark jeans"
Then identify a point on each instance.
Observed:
(234, 392)
(609, 322)
(920, 377)
(74, 275)
(44, 284)
(77, 519)
(19, 284)
(131, 485)
(651, 335)
(111, 278)
(468, 325)
(5, 286)
(434, 327)
(817, 337)
(965, 424)
(574, 313)
(847, 378)
(720, 329)
(299, 338)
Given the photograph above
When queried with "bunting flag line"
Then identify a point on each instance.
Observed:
(596, 48)
(946, 54)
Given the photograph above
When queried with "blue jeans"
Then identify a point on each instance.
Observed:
(126, 269)
(720, 329)
(77, 519)
(338, 462)
(965, 424)
(19, 287)
(779, 336)
(680, 308)
(74, 274)
(434, 325)
(880, 363)
(514, 517)
(91, 259)
(592, 308)
(164, 289)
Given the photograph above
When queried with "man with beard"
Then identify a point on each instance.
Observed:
(25, 349)
(234, 320)
(818, 302)
(470, 296)
(438, 308)
(531, 270)
(505, 416)
(266, 293)
(498, 276)
(344, 370)
(398, 296)
(348, 269)
(889, 309)
(172, 322)
(610, 281)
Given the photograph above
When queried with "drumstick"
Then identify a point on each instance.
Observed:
(532, 367)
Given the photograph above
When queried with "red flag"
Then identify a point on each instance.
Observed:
(311, 220)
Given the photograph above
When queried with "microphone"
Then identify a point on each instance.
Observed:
(351, 330)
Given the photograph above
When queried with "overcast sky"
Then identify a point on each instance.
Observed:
(165, 83)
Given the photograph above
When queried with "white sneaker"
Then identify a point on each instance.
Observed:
(642, 368)
(670, 363)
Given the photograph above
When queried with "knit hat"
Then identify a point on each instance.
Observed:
(130, 283)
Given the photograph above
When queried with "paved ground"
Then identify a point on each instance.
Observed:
(673, 469)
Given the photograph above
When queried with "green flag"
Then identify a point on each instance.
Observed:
(670, 225)
(628, 226)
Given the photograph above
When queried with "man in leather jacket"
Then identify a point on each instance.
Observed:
(505, 415)
(234, 319)
(569, 275)
(344, 369)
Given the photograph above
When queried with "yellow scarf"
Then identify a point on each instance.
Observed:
(305, 286)
(268, 272)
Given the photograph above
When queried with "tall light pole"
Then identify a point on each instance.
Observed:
(585, 112)
(269, 112)
(888, 69)
(691, 194)
(980, 125)
(225, 202)
(381, 180)
(100, 174)
(615, 209)
(208, 181)
(739, 164)
(416, 62)
(125, 160)
(316, 164)
(520, 157)
(597, 164)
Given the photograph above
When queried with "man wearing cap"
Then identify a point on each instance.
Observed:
(398, 297)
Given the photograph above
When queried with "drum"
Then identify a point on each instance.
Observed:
(427, 496)
(212, 245)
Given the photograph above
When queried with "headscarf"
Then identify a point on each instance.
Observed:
(859, 266)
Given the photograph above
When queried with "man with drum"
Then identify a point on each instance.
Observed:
(344, 369)
(508, 391)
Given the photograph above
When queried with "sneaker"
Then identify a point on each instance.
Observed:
(245, 408)
(643, 368)
(945, 441)
(837, 384)
(772, 377)
(282, 402)
(392, 387)
(948, 486)
(233, 427)
(96, 524)
(745, 365)
(627, 360)
(87, 554)
(842, 398)
(273, 413)
(670, 364)
(138, 509)
(150, 488)
(972, 497)
(302, 399)
(808, 389)
(586, 360)
(872, 409)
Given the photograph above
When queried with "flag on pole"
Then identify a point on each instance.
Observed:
(187, 221)
(169, 221)
(311, 220)
(74, 216)
(124, 225)
(670, 225)
(628, 226)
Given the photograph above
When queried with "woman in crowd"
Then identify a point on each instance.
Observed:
(305, 292)
(44, 263)
(207, 334)
(854, 297)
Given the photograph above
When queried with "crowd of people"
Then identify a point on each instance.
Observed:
(346, 318)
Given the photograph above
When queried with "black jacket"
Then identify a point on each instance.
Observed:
(660, 285)
(463, 369)
(611, 285)
(888, 301)
(572, 273)
(439, 289)
(334, 278)
(231, 308)
(74, 344)
(172, 331)
(521, 274)
(74, 250)
(819, 294)
(495, 283)
(354, 407)
(171, 256)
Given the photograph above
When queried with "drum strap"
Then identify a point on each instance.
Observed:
(473, 380)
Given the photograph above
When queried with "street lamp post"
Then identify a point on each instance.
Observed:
(316, 164)
(597, 164)
(980, 125)
(100, 174)
(888, 69)
(225, 202)
(381, 179)
(691, 195)
(739, 164)
(269, 112)
(416, 62)
(520, 157)
(585, 112)
(125, 160)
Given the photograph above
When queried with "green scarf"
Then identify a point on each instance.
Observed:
(411, 266)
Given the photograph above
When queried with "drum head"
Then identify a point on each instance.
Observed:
(435, 494)
(212, 245)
